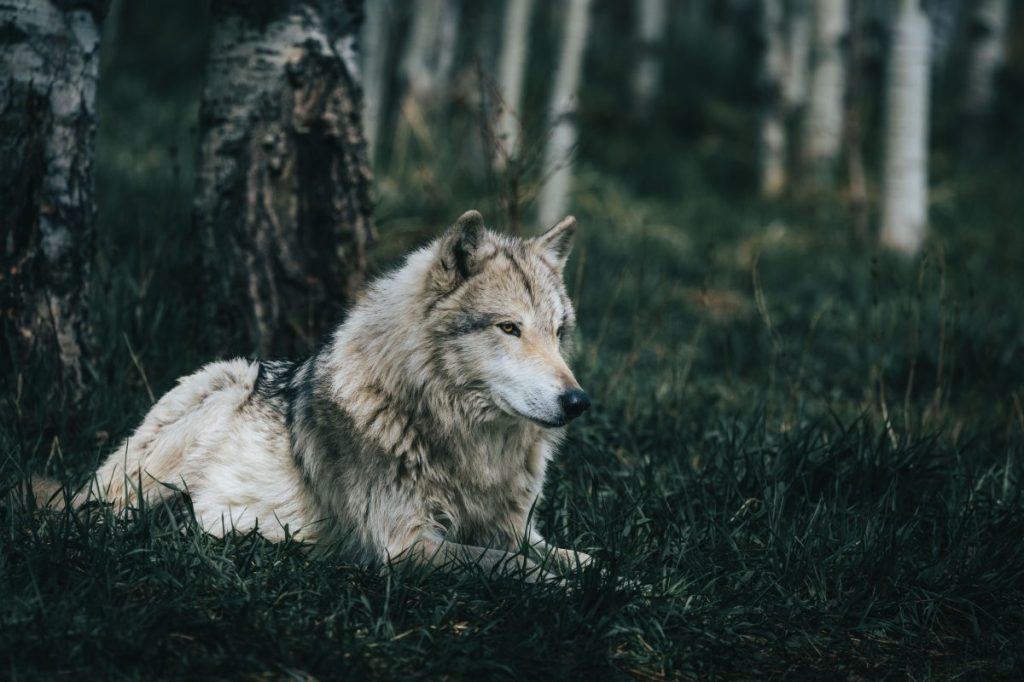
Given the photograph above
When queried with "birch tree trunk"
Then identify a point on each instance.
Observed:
(652, 22)
(772, 121)
(853, 133)
(904, 195)
(823, 118)
(798, 53)
(283, 203)
(511, 72)
(988, 30)
(374, 50)
(944, 15)
(429, 56)
(554, 196)
(49, 58)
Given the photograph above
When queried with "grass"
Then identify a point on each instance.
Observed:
(804, 455)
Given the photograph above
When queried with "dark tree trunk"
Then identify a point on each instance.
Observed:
(284, 199)
(49, 57)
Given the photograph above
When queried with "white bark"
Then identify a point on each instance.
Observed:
(554, 197)
(49, 61)
(652, 22)
(430, 52)
(823, 119)
(375, 45)
(798, 53)
(905, 191)
(772, 123)
(511, 72)
(987, 54)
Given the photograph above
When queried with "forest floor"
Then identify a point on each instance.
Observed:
(804, 458)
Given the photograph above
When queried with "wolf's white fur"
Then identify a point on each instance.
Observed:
(417, 432)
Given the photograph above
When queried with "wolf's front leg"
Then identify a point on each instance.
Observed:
(436, 551)
(566, 559)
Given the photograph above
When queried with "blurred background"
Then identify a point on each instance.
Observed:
(811, 206)
(727, 161)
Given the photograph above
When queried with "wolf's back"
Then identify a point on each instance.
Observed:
(155, 456)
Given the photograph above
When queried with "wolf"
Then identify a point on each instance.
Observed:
(421, 429)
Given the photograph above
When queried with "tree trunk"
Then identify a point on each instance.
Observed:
(988, 31)
(823, 118)
(905, 192)
(944, 15)
(429, 56)
(854, 129)
(49, 58)
(375, 48)
(798, 52)
(652, 22)
(772, 121)
(554, 197)
(511, 72)
(283, 203)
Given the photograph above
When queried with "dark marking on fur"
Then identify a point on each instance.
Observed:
(481, 262)
(440, 297)
(410, 418)
(274, 383)
(366, 511)
(376, 414)
(401, 473)
(468, 322)
(522, 275)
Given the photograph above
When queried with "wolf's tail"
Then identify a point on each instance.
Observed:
(119, 481)
(152, 464)
(46, 492)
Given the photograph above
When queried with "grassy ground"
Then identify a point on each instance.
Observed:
(805, 455)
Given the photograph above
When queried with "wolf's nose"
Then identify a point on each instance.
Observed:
(574, 403)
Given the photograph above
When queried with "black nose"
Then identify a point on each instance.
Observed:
(574, 403)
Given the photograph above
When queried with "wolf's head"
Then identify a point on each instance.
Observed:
(499, 315)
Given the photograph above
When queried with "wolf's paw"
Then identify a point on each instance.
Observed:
(572, 560)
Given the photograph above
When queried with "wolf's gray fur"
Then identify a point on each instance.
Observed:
(421, 430)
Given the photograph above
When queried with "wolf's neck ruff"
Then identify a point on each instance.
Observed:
(398, 389)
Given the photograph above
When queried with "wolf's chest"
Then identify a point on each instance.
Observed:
(494, 487)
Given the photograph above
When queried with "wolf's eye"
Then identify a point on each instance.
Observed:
(509, 328)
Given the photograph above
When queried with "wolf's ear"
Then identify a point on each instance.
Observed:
(555, 244)
(460, 250)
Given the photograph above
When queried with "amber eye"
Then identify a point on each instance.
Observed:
(509, 328)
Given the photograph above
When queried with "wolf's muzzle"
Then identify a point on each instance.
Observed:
(574, 403)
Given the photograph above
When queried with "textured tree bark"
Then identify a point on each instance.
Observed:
(49, 58)
(823, 119)
(554, 196)
(772, 120)
(283, 204)
(905, 190)
(511, 73)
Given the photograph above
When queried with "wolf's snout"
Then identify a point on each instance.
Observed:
(574, 403)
